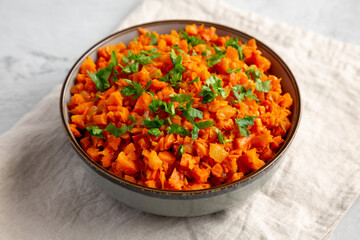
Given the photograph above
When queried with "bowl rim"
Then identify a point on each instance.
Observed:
(171, 194)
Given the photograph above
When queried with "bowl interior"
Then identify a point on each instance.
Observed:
(278, 68)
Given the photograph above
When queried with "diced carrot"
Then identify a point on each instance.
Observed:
(154, 161)
(123, 164)
(142, 103)
(200, 174)
(217, 170)
(176, 180)
(129, 148)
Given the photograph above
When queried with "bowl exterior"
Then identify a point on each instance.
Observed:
(190, 203)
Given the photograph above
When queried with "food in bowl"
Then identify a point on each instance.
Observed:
(186, 110)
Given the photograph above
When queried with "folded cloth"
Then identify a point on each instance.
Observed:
(46, 194)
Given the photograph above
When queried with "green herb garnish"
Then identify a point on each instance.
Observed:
(240, 93)
(216, 58)
(176, 128)
(153, 39)
(235, 44)
(175, 75)
(182, 98)
(134, 88)
(230, 70)
(208, 95)
(243, 124)
(253, 73)
(156, 104)
(192, 40)
(195, 80)
(101, 77)
(221, 137)
(111, 128)
(181, 150)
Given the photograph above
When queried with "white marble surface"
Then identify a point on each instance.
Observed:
(40, 40)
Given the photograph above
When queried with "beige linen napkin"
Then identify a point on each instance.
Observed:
(46, 194)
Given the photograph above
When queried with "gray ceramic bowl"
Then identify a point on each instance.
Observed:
(182, 203)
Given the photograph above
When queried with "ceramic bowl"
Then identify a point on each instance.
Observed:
(182, 203)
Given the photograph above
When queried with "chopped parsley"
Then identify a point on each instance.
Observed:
(111, 128)
(154, 125)
(181, 150)
(182, 98)
(240, 93)
(101, 76)
(153, 39)
(176, 128)
(230, 70)
(208, 95)
(155, 104)
(263, 86)
(190, 114)
(192, 40)
(195, 80)
(143, 58)
(97, 96)
(134, 88)
(175, 75)
(221, 137)
(216, 58)
(235, 44)
(253, 73)
(95, 131)
(243, 124)
(176, 47)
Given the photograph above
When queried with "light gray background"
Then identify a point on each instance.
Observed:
(40, 40)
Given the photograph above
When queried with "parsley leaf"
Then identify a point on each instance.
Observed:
(175, 75)
(176, 47)
(155, 123)
(155, 104)
(205, 124)
(192, 40)
(101, 77)
(176, 128)
(95, 130)
(181, 150)
(240, 93)
(262, 86)
(255, 74)
(243, 124)
(132, 118)
(118, 132)
(235, 44)
(216, 58)
(155, 132)
(194, 53)
(195, 80)
(190, 114)
(230, 70)
(134, 88)
(153, 39)
(111, 128)
(142, 58)
(221, 137)
(207, 94)
(180, 97)
(204, 53)
(97, 96)
(200, 125)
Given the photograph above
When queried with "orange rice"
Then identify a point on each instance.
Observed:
(181, 111)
